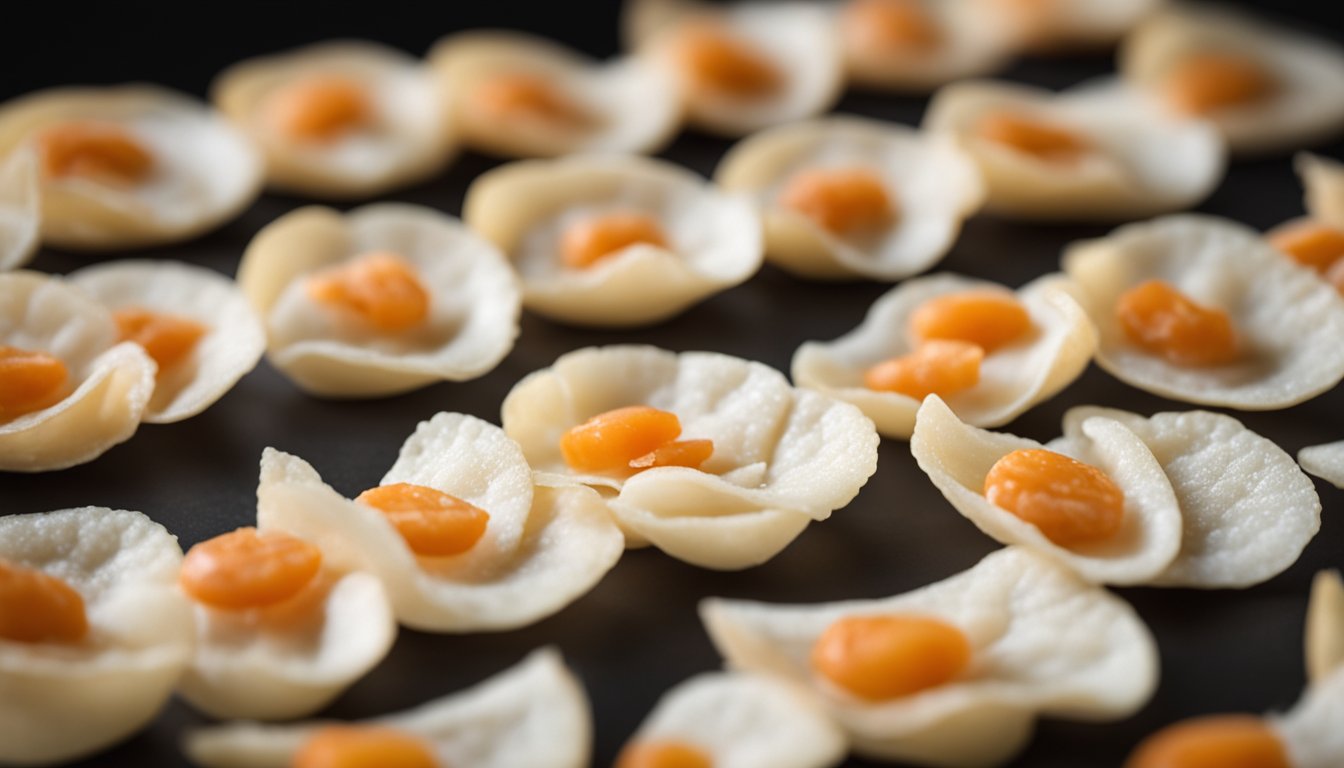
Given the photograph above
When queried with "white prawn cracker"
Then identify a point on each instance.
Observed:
(1310, 729)
(744, 720)
(782, 457)
(624, 105)
(396, 133)
(107, 388)
(1128, 159)
(1324, 461)
(472, 300)
(230, 348)
(63, 701)
(713, 239)
(542, 548)
(1012, 378)
(198, 172)
(932, 186)
(534, 714)
(1288, 320)
(20, 210)
(1043, 641)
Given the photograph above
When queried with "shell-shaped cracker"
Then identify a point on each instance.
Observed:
(957, 457)
(1324, 182)
(1310, 730)
(1248, 510)
(110, 385)
(781, 457)
(408, 137)
(255, 666)
(745, 721)
(714, 238)
(1307, 103)
(630, 106)
(1139, 161)
(542, 549)
(1324, 461)
(473, 300)
(1324, 637)
(203, 171)
(796, 38)
(934, 186)
(20, 210)
(1012, 378)
(1289, 320)
(1044, 642)
(1067, 24)
(227, 352)
(969, 45)
(64, 702)
(534, 714)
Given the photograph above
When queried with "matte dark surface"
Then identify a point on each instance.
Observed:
(637, 634)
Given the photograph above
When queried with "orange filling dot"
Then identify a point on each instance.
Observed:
(433, 523)
(716, 60)
(891, 25)
(1072, 503)
(1217, 741)
(527, 96)
(663, 754)
(1207, 82)
(249, 569)
(632, 438)
(1032, 136)
(886, 657)
(38, 608)
(381, 288)
(840, 200)
(589, 240)
(167, 338)
(320, 108)
(1166, 322)
(29, 381)
(934, 368)
(1309, 244)
(988, 319)
(355, 746)
(103, 151)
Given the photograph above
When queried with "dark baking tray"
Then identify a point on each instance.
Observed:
(637, 633)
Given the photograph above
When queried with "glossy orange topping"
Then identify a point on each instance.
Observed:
(38, 608)
(364, 746)
(433, 523)
(1207, 82)
(529, 96)
(589, 240)
(381, 288)
(935, 367)
(988, 319)
(1309, 244)
(878, 658)
(29, 381)
(102, 151)
(167, 338)
(249, 569)
(1217, 741)
(1072, 503)
(663, 754)
(631, 439)
(891, 25)
(840, 200)
(679, 453)
(714, 59)
(321, 108)
(1164, 321)
(1039, 138)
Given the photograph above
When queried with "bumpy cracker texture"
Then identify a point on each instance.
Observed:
(229, 350)
(61, 703)
(714, 238)
(474, 302)
(1012, 379)
(1288, 319)
(933, 185)
(1044, 642)
(20, 210)
(534, 714)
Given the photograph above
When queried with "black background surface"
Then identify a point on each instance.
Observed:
(637, 634)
